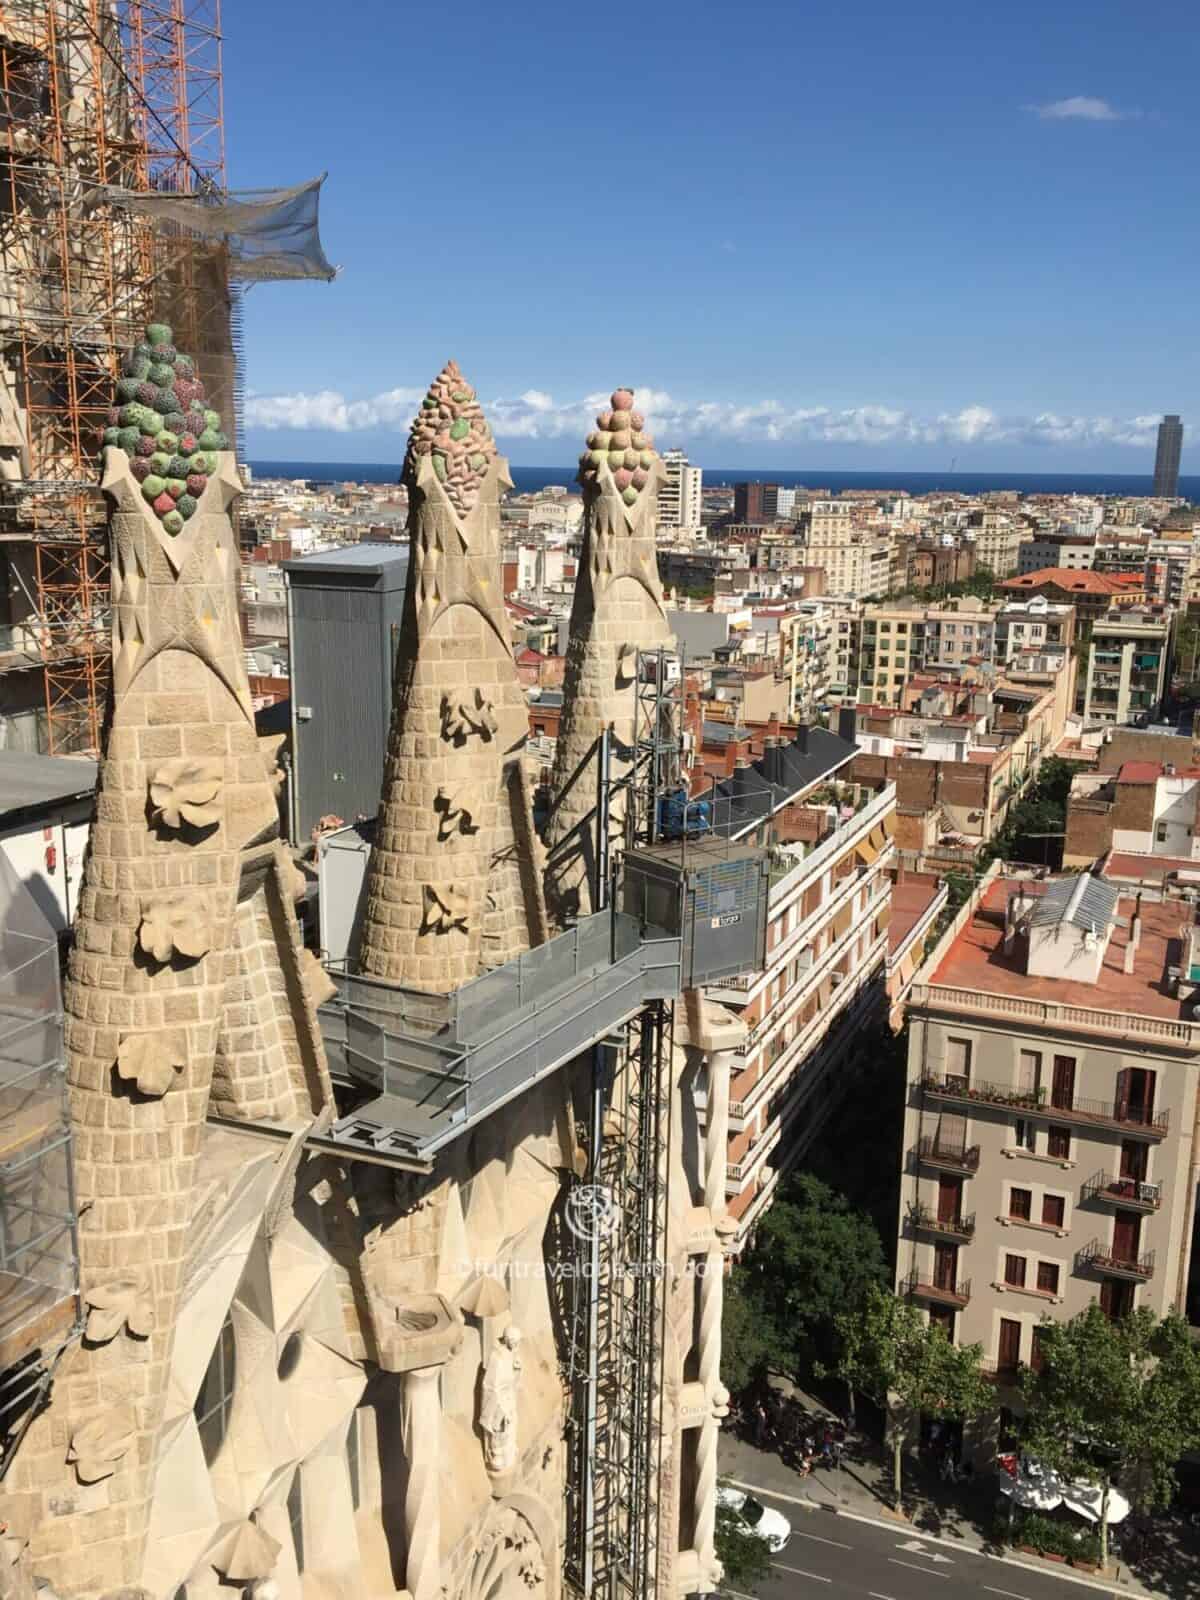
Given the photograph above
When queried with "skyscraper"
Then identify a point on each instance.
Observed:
(1166, 457)
(679, 496)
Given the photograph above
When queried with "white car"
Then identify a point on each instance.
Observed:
(757, 1518)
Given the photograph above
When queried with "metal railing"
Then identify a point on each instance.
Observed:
(1118, 1191)
(1106, 1258)
(956, 1227)
(950, 1086)
(1054, 1014)
(957, 1293)
(948, 1153)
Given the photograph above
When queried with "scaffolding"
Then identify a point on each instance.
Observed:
(39, 1263)
(617, 1317)
(123, 94)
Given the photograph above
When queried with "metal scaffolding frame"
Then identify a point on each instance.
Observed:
(124, 93)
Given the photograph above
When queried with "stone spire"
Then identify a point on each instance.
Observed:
(454, 885)
(618, 609)
(188, 990)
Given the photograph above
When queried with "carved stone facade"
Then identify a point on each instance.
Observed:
(617, 610)
(301, 1376)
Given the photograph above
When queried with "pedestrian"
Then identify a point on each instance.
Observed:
(760, 1425)
(827, 1445)
(836, 1452)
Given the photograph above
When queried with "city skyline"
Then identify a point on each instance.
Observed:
(907, 255)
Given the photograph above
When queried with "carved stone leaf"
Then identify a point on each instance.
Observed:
(98, 1445)
(176, 924)
(187, 790)
(152, 1061)
(252, 1554)
(122, 1302)
(318, 985)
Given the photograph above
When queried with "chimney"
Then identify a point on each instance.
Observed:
(1131, 945)
(847, 723)
(802, 738)
(1135, 933)
(772, 764)
(731, 750)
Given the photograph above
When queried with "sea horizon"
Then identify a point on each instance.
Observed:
(528, 480)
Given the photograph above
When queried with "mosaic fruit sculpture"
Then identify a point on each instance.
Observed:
(619, 443)
(451, 428)
(164, 424)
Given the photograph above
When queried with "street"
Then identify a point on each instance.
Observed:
(833, 1556)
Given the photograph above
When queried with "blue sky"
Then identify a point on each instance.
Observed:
(858, 236)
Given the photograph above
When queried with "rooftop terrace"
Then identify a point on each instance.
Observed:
(975, 972)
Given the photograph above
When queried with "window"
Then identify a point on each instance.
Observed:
(1014, 1271)
(1020, 1204)
(1008, 1355)
(1047, 1278)
(1024, 1134)
(295, 1511)
(1030, 1067)
(958, 1060)
(1054, 1210)
(1160, 832)
(215, 1399)
(1058, 1143)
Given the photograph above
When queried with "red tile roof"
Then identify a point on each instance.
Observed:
(1082, 582)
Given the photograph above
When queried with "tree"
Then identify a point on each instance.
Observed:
(1115, 1400)
(907, 1366)
(745, 1556)
(747, 1351)
(814, 1257)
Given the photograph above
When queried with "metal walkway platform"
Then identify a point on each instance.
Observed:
(439, 1064)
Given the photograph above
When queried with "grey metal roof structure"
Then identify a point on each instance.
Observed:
(1084, 901)
(723, 732)
(31, 783)
(754, 793)
(379, 559)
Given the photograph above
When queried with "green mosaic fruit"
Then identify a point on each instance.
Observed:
(212, 419)
(138, 416)
(161, 374)
(186, 506)
(127, 388)
(179, 467)
(158, 333)
(136, 366)
(175, 487)
(166, 402)
(173, 522)
(160, 461)
(168, 441)
(113, 435)
(630, 496)
(208, 440)
(128, 438)
(153, 486)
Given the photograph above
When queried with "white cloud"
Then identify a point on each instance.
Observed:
(1081, 108)
(535, 414)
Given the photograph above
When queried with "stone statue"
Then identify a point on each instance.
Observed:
(498, 1412)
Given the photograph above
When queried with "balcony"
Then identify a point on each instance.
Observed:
(1127, 1194)
(1102, 1257)
(1135, 1119)
(935, 1151)
(926, 1221)
(942, 1294)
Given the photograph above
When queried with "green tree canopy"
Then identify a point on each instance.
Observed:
(1115, 1400)
(814, 1256)
(908, 1366)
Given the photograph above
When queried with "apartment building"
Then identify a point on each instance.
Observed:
(1035, 624)
(1127, 666)
(1091, 593)
(1050, 1132)
(1069, 551)
(855, 567)
(679, 498)
(896, 641)
(998, 536)
(814, 654)
(827, 952)
(1146, 808)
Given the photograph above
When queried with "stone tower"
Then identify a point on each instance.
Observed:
(188, 991)
(454, 882)
(617, 610)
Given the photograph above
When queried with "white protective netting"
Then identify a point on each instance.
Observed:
(272, 234)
